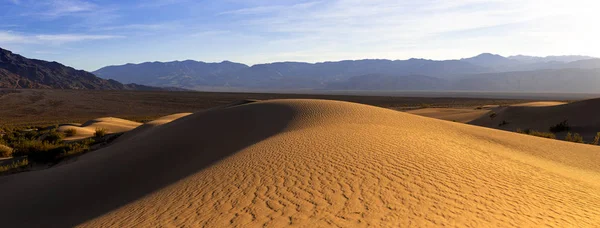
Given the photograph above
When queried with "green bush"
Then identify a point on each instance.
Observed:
(70, 132)
(100, 132)
(5, 151)
(574, 138)
(560, 127)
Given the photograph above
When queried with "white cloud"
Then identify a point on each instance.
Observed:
(15, 38)
(9, 37)
(439, 28)
(66, 38)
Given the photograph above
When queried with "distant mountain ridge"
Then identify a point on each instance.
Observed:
(370, 74)
(17, 71)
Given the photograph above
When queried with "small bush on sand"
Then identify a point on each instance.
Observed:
(526, 131)
(560, 127)
(537, 133)
(5, 151)
(28, 147)
(54, 137)
(14, 165)
(596, 139)
(70, 132)
(574, 138)
(502, 123)
(493, 115)
(100, 132)
(543, 134)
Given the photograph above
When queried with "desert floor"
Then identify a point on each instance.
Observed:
(23, 108)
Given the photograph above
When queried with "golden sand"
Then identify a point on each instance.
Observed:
(314, 163)
(462, 115)
(109, 124)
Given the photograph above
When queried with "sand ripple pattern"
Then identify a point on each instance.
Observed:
(338, 164)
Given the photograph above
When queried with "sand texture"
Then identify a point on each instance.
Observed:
(314, 163)
(540, 104)
(462, 115)
(110, 124)
(582, 117)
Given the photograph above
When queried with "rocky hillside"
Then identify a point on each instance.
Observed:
(17, 71)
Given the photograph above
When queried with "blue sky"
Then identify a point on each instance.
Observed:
(89, 34)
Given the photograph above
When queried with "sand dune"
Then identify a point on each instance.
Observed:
(581, 115)
(540, 104)
(110, 124)
(314, 163)
(462, 115)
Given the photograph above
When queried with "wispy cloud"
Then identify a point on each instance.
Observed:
(403, 28)
(143, 27)
(66, 38)
(269, 9)
(9, 37)
(57, 8)
(15, 38)
(159, 3)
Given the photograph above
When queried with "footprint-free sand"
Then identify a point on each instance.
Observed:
(314, 163)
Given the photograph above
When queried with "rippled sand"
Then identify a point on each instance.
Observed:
(314, 163)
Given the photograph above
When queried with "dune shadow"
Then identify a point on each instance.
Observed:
(110, 178)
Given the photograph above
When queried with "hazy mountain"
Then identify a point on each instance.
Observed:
(176, 74)
(389, 82)
(280, 75)
(563, 58)
(492, 61)
(482, 72)
(568, 80)
(17, 71)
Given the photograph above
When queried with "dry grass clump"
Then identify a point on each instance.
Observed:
(596, 139)
(70, 132)
(5, 151)
(100, 132)
(574, 138)
(537, 133)
(560, 127)
(15, 165)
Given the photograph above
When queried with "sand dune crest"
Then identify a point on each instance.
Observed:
(318, 163)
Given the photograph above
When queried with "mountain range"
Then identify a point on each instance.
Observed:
(484, 72)
(17, 71)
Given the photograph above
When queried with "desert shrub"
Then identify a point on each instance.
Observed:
(424, 105)
(54, 136)
(560, 127)
(526, 131)
(28, 147)
(596, 139)
(574, 138)
(76, 148)
(502, 123)
(493, 115)
(14, 165)
(543, 134)
(70, 132)
(537, 133)
(100, 132)
(5, 151)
